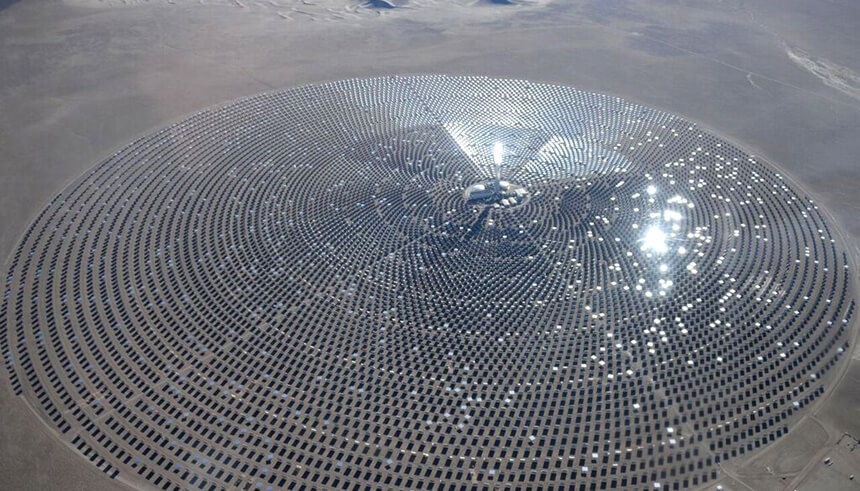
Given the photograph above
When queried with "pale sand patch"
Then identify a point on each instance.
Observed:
(833, 75)
(333, 10)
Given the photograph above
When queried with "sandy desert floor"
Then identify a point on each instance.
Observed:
(780, 78)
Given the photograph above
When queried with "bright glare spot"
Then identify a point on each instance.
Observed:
(670, 215)
(654, 240)
(664, 268)
(682, 250)
(651, 190)
(498, 151)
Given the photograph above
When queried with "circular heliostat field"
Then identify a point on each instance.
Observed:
(426, 282)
